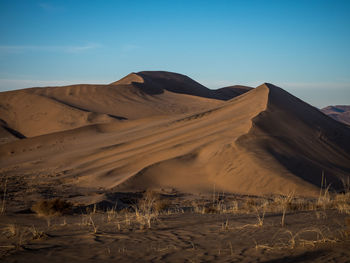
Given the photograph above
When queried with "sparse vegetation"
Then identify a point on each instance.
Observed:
(36, 234)
(347, 224)
(20, 235)
(93, 224)
(270, 212)
(3, 201)
(148, 208)
(302, 238)
(285, 202)
(10, 230)
(53, 207)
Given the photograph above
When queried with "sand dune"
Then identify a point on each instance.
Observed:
(31, 114)
(339, 112)
(39, 111)
(264, 141)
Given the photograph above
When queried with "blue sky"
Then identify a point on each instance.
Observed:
(302, 46)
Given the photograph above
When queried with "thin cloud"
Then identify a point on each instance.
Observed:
(49, 7)
(61, 49)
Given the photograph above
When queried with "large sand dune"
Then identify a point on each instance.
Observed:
(39, 111)
(164, 130)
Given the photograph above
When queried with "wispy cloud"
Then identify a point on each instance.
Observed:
(49, 6)
(38, 48)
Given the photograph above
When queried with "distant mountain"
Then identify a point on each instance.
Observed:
(339, 112)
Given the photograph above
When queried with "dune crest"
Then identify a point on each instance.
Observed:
(129, 79)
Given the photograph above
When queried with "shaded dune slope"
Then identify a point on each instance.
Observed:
(264, 141)
(300, 138)
(7, 135)
(230, 92)
(156, 82)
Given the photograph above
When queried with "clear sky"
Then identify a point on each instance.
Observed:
(301, 46)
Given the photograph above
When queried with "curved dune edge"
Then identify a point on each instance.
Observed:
(302, 148)
(222, 165)
(129, 79)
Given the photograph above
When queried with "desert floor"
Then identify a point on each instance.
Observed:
(182, 228)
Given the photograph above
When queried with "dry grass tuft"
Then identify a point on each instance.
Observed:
(347, 224)
(10, 230)
(250, 204)
(3, 202)
(36, 234)
(260, 216)
(342, 203)
(285, 203)
(307, 237)
(53, 207)
(152, 200)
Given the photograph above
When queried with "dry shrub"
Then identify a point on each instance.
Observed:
(211, 210)
(3, 207)
(212, 207)
(152, 201)
(10, 230)
(250, 204)
(161, 205)
(149, 208)
(53, 207)
(342, 203)
(36, 234)
(347, 223)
